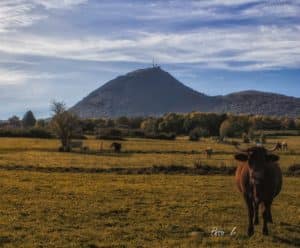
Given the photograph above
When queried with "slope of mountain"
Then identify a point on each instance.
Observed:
(153, 92)
(143, 92)
(255, 102)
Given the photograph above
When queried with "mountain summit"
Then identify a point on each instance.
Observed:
(144, 92)
(153, 92)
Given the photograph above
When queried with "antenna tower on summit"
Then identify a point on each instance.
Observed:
(154, 65)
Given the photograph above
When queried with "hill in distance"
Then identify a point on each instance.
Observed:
(154, 92)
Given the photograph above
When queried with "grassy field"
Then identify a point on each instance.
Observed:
(110, 210)
(98, 210)
(137, 153)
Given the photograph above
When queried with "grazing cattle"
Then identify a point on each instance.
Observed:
(117, 146)
(278, 146)
(208, 152)
(281, 146)
(284, 146)
(259, 179)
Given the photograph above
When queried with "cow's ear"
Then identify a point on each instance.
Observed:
(272, 158)
(241, 157)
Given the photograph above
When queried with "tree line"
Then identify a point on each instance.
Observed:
(65, 125)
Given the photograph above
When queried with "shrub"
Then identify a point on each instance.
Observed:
(26, 133)
(110, 134)
(78, 137)
(234, 127)
(197, 133)
(162, 136)
(194, 135)
(136, 133)
(40, 133)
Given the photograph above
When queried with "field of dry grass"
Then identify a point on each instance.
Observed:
(110, 210)
(137, 153)
(99, 210)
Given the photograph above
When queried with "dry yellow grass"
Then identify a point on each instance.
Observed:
(137, 153)
(98, 210)
(109, 210)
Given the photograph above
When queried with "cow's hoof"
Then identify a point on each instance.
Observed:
(270, 220)
(250, 231)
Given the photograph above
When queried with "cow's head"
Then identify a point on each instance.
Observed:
(257, 159)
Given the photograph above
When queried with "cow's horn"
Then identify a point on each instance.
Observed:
(273, 149)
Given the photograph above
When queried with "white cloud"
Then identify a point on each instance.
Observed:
(58, 4)
(18, 77)
(247, 48)
(212, 10)
(15, 14)
(22, 13)
(228, 47)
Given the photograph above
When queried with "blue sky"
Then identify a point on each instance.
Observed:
(63, 49)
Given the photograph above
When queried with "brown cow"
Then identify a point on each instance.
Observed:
(259, 179)
(117, 146)
(278, 146)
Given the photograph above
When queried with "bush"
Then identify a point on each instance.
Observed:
(234, 127)
(194, 136)
(78, 137)
(162, 136)
(136, 134)
(26, 133)
(197, 133)
(110, 134)
(40, 133)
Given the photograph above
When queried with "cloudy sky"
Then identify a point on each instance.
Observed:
(63, 49)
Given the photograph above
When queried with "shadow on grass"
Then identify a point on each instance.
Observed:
(4, 240)
(26, 149)
(108, 152)
(293, 242)
(105, 153)
(293, 239)
(156, 169)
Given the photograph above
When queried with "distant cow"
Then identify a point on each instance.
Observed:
(208, 152)
(117, 146)
(284, 146)
(259, 179)
(278, 146)
(281, 146)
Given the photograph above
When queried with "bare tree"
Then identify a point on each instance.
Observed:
(64, 123)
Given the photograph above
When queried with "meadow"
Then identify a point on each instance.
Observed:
(136, 153)
(111, 210)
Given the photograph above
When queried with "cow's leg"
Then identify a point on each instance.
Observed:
(256, 211)
(249, 203)
(266, 218)
(270, 219)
